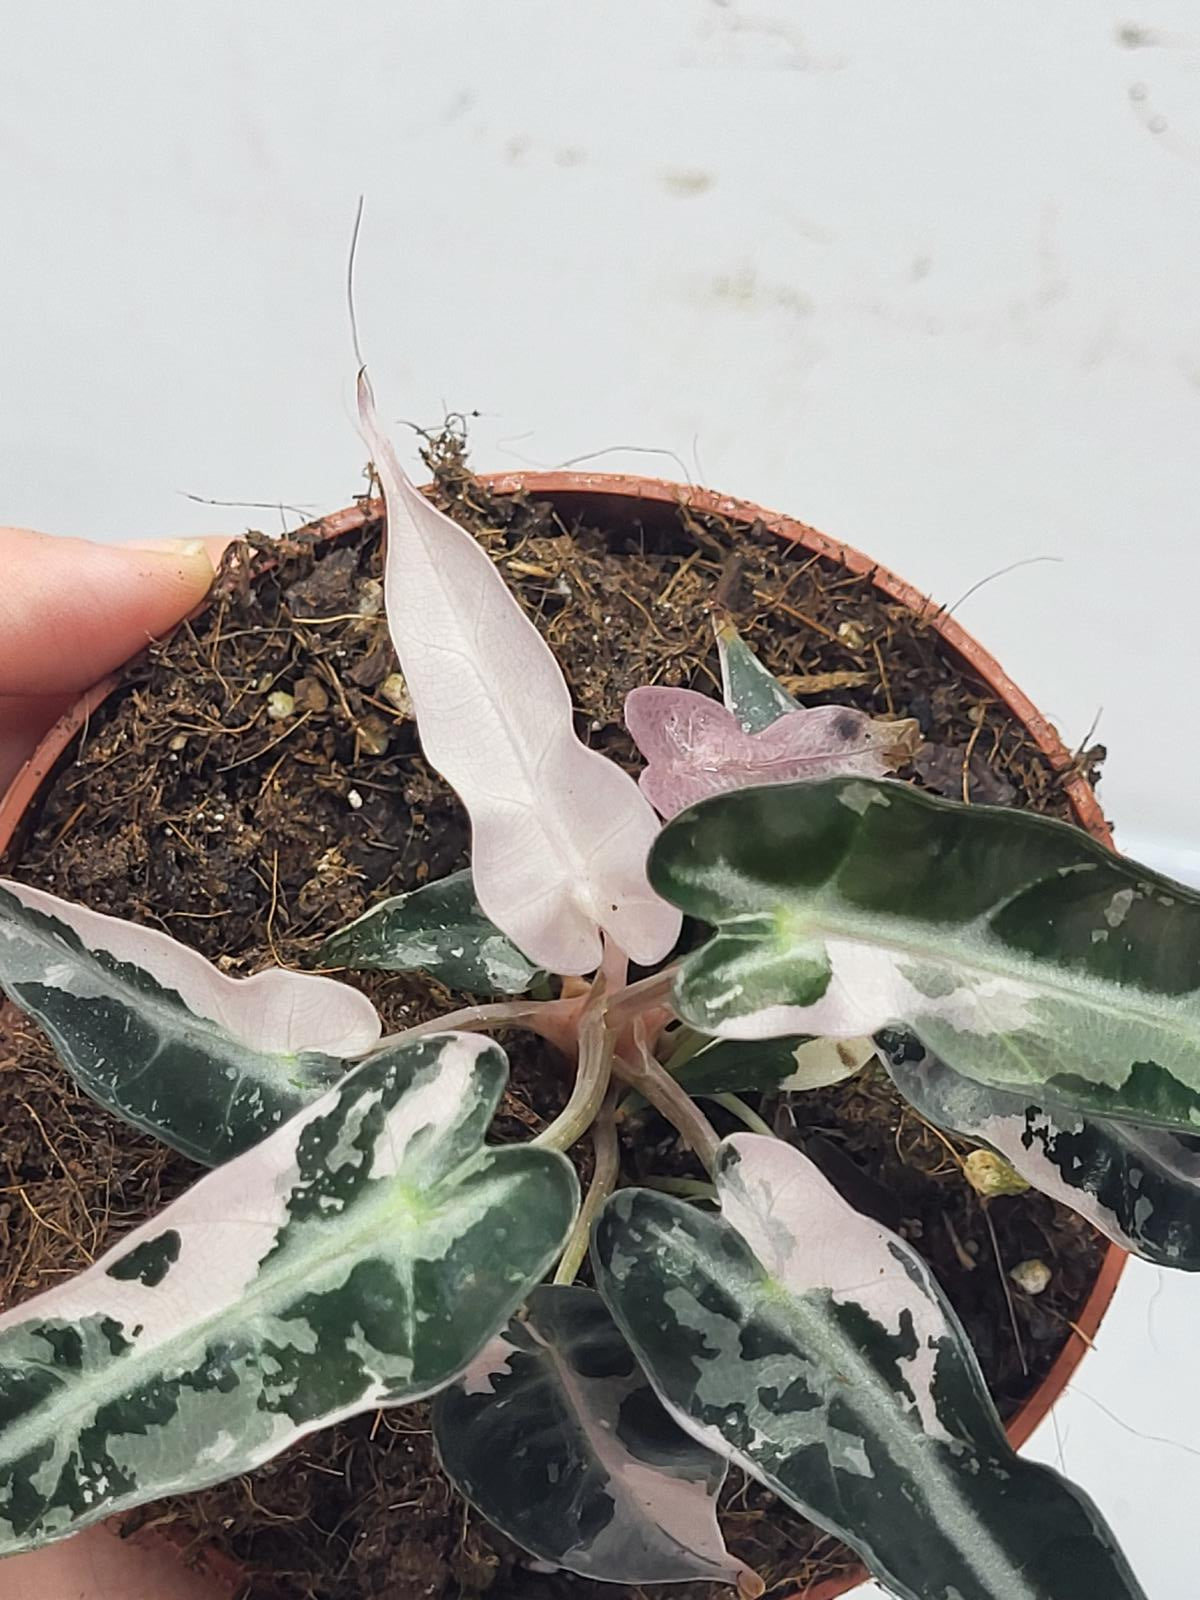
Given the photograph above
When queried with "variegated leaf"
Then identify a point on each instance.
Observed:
(1020, 951)
(555, 1435)
(813, 1348)
(776, 1066)
(439, 928)
(754, 695)
(818, 1063)
(360, 1256)
(1140, 1186)
(694, 747)
(559, 833)
(157, 1034)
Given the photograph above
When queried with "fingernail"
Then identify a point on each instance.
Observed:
(168, 547)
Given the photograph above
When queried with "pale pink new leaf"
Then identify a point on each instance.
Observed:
(560, 834)
(695, 748)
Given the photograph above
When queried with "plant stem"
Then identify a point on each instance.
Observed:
(739, 1109)
(604, 1181)
(658, 1087)
(591, 1084)
(685, 1188)
(472, 1019)
(631, 1001)
(690, 1044)
(554, 1020)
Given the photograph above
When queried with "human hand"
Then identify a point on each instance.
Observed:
(71, 611)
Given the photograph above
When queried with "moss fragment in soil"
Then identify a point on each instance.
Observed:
(185, 805)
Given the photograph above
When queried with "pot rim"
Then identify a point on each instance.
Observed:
(583, 486)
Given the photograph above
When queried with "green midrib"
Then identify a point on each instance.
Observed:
(391, 1216)
(915, 943)
(906, 1447)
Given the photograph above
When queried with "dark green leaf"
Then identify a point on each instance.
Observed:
(208, 1063)
(813, 1348)
(755, 697)
(360, 1256)
(438, 928)
(776, 1066)
(1140, 1186)
(1017, 949)
(554, 1434)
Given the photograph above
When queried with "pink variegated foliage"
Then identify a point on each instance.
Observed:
(695, 748)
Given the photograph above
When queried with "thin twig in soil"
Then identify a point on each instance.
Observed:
(798, 616)
(345, 616)
(66, 1171)
(270, 745)
(680, 571)
(1008, 1299)
(966, 761)
(274, 948)
(883, 679)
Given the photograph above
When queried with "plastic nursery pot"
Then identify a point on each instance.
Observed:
(612, 500)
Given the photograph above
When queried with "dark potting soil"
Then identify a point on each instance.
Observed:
(187, 806)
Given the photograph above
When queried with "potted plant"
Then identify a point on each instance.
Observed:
(806, 929)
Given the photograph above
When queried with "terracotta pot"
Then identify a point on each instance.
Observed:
(614, 499)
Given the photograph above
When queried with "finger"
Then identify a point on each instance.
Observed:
(215, 545)
(98, 1564)
(71, 611)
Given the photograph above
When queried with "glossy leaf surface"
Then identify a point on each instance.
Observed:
(774, 1066)
(555, 1435)
(1017, 949)
(439, 928)
(360, 1256)
(157, 1034)
(1140, 1186)
(559, 832)
(813, 1348)
(755, 696)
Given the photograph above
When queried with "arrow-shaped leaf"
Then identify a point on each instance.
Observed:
(439, 928)
(359, 1256)
(559, 832)
(694, 746)
(754, 695)
(1017, 949)
(150, 1029)
(813, 1348)
(1140, 1186)
(555, 1435)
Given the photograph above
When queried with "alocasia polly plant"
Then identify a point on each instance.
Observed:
(358, 1243)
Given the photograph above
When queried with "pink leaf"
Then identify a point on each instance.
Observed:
(560, 834)
(694, 747)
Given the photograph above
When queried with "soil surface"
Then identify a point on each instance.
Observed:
(187, 805)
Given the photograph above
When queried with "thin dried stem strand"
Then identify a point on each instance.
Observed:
(604, 1181)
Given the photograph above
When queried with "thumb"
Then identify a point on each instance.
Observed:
(71, 611)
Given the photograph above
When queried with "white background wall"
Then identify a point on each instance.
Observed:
(923, 274)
